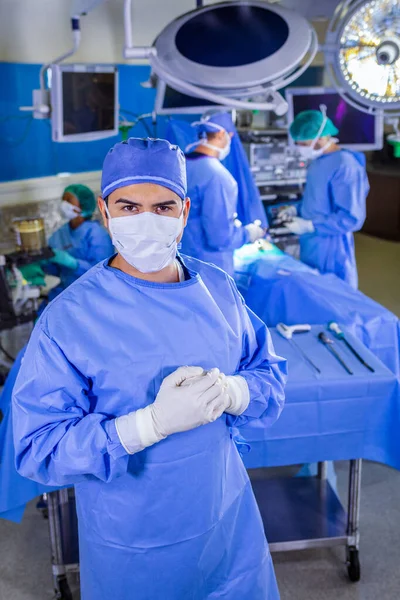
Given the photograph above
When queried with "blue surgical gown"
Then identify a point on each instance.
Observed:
(335, 201)
(177, 521)
(249, 206)
(15, 491)
(210, 234)
(89, 243)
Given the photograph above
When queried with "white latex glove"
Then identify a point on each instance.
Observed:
(239, 394)
(255, 232)
(300, 226)
(188, 398)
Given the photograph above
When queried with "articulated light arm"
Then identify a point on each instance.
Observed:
(131, 51)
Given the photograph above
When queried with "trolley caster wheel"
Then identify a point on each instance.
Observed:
(353, 564)
(63, 590)
(43, 508)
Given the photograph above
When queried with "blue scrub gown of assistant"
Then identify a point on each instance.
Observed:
(211, 234)
(15, 491)
(89, 243)
(334, 200)
(177, 521)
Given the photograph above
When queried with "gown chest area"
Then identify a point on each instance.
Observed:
(126, 343)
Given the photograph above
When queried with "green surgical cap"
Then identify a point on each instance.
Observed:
(306, 126)
(85, 196)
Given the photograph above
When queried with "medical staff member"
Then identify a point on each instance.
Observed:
(104, 401)
(212, 233)
(334, 201)
(80, 243)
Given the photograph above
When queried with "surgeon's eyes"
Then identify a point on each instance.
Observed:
(129, 208)
(163, 210)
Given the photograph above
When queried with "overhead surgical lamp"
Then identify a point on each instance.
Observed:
(362, 54)
(236, 53)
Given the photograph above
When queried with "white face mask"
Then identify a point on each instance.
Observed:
(69, 211)
(310, 153)
(222, 152)
(146, 241)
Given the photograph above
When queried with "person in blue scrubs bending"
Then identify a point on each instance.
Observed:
(334, 200)
(213, 233)
(134, 385)
(80, 243)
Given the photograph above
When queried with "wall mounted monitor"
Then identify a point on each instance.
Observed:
(171, 102)
(357, 130)
(84, 102)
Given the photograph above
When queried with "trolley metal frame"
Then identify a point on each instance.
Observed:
(318, 519)
(63, 528)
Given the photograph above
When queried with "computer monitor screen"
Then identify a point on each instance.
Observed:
(170, 102)
(357, 130)
(84, 102)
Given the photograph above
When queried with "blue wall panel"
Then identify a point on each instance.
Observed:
(26, 148)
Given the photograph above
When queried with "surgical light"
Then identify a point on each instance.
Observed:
(362, 54)
(236, 53)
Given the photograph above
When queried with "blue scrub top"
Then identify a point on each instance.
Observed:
(211, 234)
(89, 244)
(335, 201)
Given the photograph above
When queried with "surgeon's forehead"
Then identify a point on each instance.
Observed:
(142, 192)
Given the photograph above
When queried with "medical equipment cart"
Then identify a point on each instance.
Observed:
(304, 512)
(63, 528)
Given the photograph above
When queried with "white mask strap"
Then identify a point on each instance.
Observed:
(323, 109)
(106, 209)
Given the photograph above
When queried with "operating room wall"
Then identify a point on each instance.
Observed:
(25, 143)
(37, 31)
(26, 147)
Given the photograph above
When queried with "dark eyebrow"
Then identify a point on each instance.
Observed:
(125, 201)
(156, 205)
(165, 203)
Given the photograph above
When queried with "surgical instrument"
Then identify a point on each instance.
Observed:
(329, 345)
(287, 331)
(334, 327)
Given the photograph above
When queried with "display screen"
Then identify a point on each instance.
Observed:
(88, 102)
(262, 153)
(355, 127)
(175, 99)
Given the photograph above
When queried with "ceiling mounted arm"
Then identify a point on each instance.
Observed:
(131, 51)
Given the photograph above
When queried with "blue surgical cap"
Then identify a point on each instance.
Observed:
(213, 122)
(144, 161)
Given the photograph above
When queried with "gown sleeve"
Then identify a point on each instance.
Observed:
(58, 440)
(264, 371)
(218, 219)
